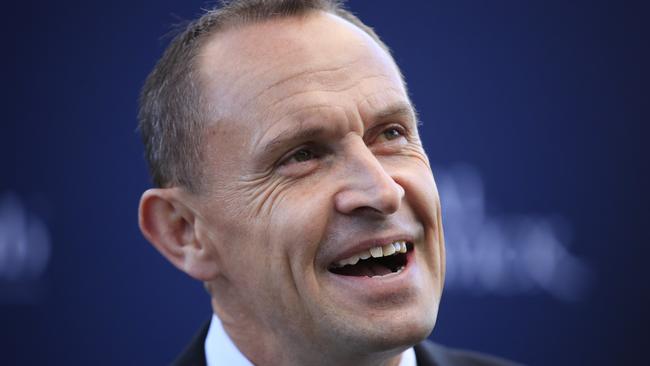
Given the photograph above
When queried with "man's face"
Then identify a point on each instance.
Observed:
(313, 158)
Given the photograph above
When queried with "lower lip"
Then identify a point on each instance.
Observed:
(381, 286)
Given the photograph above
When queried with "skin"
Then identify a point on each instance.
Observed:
(314, 150)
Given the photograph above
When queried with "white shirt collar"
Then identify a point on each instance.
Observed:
(221, 351)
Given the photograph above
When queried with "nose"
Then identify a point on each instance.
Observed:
(368, 186)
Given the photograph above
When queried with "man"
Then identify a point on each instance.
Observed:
(292, 182)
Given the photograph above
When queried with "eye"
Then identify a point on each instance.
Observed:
(300, 156)
(392, 133)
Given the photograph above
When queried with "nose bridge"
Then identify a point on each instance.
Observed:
(367, 183)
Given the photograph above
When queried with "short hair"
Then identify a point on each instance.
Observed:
(173, 111)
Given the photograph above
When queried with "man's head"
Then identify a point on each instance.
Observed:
(309, 158)
(173, 110)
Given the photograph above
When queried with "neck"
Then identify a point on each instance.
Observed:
(266, 347)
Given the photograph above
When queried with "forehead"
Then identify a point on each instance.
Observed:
(257, 74)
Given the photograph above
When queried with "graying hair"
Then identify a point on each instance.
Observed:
(172, 111)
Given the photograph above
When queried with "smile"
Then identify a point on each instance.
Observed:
(373, 262)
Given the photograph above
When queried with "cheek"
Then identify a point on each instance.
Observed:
(420, 189)
(422, 196)
(298, 226)
(278, 223)
(287, 278)
(425, 201)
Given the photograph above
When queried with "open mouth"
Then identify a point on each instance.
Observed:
(377, 261)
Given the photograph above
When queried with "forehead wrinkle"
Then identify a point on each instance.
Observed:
(232, 90)
(285, 98)
(381, 104)
(324, 69)
(314, 77)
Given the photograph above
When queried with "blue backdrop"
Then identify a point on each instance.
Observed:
(534, 117)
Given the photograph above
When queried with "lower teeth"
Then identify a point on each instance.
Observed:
(395, 270)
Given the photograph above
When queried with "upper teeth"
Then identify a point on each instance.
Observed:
(375, 252)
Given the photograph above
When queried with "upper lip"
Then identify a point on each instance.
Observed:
(371, 243)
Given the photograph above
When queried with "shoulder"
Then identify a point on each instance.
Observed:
(432, 354)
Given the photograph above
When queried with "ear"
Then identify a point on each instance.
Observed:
(169, 223)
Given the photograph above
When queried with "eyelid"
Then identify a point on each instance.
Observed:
(385, 127)
(285, 159)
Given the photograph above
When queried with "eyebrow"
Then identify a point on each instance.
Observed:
(401, 109)
(289, 137)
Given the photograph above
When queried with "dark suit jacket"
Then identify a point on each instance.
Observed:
(427, 354)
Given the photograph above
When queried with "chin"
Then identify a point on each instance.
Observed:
(389, 332)
(407, 332)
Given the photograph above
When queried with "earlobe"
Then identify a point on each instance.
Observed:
(169, 224)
